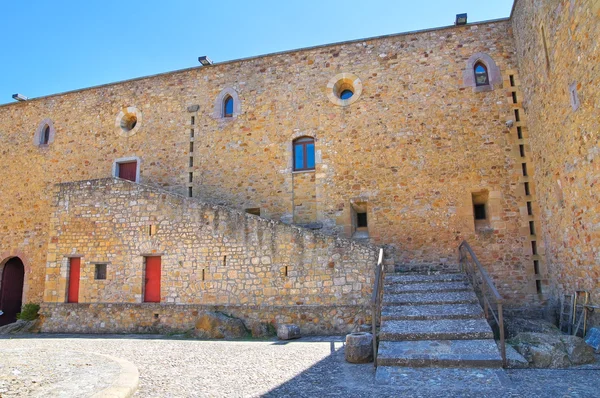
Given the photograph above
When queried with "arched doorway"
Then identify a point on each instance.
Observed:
(11, 290)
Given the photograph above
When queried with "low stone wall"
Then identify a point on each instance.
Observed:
(173, 318)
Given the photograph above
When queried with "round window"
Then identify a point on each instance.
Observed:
(344, 89)
(128, 121)
(346, 94)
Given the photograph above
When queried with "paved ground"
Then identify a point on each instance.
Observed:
(72, 365)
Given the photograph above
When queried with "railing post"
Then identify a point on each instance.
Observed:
(485, 302)
(501, 327)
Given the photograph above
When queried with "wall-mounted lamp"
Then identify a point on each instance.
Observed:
(19, 97)
(461, 19)
(204, 60)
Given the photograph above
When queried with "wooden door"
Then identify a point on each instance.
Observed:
(11, 290)
(128, 171)
(74, 271)
(152, 280)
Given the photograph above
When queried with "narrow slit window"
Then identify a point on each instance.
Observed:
(531, 228)
(514, 97)
(534, 247)
(517, 116)
(519, 132)
(45, 137)
(529, 209)
(512, 80)
(193, 120)
(479, 211)
(191, 161)
(527, 191)
(190, 192)
(536, 267)
(524, 167)
(191, 175)
(191, 133)
(191, 147)
(361, 220)
(538, 286)
(522, 150)
(481, 75)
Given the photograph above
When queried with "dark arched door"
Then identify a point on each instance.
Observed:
(11, 290)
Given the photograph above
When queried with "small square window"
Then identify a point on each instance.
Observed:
(254, 210)
(100, 273)
(479, 211)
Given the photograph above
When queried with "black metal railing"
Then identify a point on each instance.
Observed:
(491, 300)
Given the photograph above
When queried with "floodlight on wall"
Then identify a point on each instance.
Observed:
(461, 19)
(204, 60)
(20, 97)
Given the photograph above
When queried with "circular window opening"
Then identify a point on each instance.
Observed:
(346, 94)
(128, 122)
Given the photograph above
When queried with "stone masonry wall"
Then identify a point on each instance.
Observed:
(564, 130)
(210, 255)
(412, 149)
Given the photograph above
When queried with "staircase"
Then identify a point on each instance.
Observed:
(434, 321)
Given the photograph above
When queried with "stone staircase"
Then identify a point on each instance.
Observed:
(434, 321)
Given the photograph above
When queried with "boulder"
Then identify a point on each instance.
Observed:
(20, 326)
(551, 350)
(359, 347)
(288, 332)
(261, 329)
(514, 325)
(216, 325)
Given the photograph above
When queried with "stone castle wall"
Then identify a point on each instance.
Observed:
(411, 150)
(211, 255)
(558, 51)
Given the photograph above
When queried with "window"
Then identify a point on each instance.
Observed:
(479, 211)
(254, 211)
(361, 220)
(45, 136)
(304, 154)
(346, 94)
(228, 107)
(100, 272)
(481, 75)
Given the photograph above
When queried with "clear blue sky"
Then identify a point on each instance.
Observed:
(60, 45)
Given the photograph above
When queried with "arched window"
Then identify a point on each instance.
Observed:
(228, 106)
(304, 153)
(481, 75)
(45, 136)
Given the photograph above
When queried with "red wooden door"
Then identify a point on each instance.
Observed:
(128, 171)
(152, 282)
(74, 271)
(11, 290)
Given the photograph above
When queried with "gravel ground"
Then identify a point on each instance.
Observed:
(309, 367)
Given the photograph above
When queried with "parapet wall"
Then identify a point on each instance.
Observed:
(210, 256)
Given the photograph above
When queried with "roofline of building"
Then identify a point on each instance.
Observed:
(254, 57)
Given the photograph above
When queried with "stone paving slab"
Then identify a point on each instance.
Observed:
(431, 311)
(421, 278)
(308, 367)
(440, 353)
(442, 329)
(430, 298)
(48, 372)
(427, 287)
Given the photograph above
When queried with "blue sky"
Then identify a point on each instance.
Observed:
(55, 46)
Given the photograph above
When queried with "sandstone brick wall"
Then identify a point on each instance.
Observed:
(211, 255)
(565, 141)
(411, 150)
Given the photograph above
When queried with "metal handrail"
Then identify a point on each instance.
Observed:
(376, 302)
(484, 285)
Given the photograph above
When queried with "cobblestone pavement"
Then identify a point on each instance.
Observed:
(309, 367)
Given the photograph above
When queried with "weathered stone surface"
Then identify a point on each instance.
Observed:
(215, 325)
(593, 338)
(551, 350)
(359, 347)
(288, 332)
(513, 358)
(515, 325)
(19, 326)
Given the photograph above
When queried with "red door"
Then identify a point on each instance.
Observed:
(11, 290)
(74, 271)
(128, 171)
(152, 282)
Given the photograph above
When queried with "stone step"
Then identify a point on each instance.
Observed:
(465, 297)
(443, 382)
(442, 329)
(432, 311)
(423, 278)
(427, 287)
(440, 353)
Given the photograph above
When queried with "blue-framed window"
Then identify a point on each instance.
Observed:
(228, 107)
(304, 154)
(481, 75)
